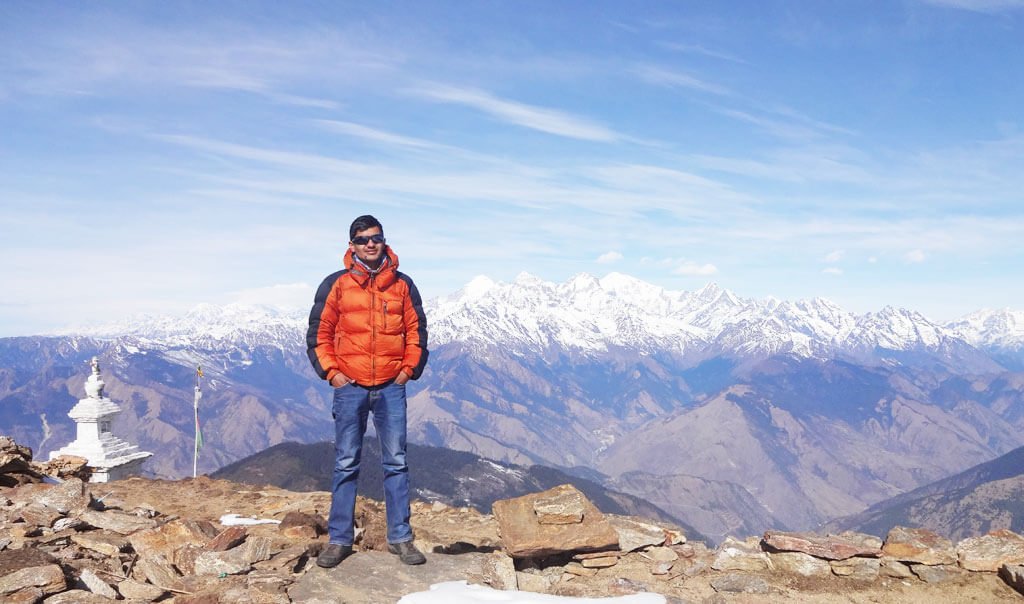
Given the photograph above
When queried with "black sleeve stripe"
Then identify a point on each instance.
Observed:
(319, 301)
(417, 304)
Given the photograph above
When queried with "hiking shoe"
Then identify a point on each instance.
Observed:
(333, 554)
(407, 552)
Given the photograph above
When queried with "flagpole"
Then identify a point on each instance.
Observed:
(195, 406)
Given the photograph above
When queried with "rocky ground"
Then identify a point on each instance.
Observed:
(152, 540)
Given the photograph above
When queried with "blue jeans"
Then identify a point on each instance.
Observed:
(352, 405)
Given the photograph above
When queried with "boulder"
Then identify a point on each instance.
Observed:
(918, 545)
(990, 552)
(733, 554)
(830, 547)
(800, 563)
(862, 569)
(523, 535)
(634, 535)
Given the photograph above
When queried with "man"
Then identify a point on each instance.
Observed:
(368, 337)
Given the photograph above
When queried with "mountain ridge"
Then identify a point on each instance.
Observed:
(595, 373)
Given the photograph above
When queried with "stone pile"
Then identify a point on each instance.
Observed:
(17, 466)
(556, 536)
(60, 544)
(142, 540)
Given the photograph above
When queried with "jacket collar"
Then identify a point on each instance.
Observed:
(385, 275)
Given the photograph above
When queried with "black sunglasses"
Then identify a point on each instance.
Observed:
(363, 240)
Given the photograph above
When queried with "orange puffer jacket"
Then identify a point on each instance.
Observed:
(368, 327)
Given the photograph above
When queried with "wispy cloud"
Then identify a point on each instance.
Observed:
(701, 50)
(782, 129)
(674, 79)
(609, 257)
(543, 119)
(832, 271)
(377, 136)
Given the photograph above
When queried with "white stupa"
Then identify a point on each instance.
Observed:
(110, 458)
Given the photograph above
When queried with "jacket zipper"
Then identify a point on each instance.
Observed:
(373, 333)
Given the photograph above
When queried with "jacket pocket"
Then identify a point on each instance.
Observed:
(392, 312)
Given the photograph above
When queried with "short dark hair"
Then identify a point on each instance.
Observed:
(362, 223)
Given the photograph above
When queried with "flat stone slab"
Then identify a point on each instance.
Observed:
(800, 563)
(563, 506)
(167, 538)
(918, 545)
(370, 577)
(635, 535)
(48, 579)
(829, 547)
(524, 536)
(990, 552)
(119, 522)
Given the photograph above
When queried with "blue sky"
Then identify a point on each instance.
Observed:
(154, 156)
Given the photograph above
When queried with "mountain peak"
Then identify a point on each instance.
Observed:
(478, 286)
(525, 278)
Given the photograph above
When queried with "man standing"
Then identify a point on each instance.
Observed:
(367, 337)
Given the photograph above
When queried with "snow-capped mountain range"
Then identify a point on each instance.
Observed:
(587, 314)
(685, 397)
(590, 315)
